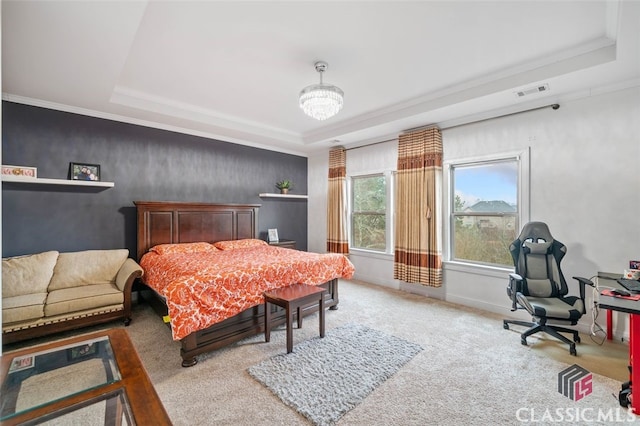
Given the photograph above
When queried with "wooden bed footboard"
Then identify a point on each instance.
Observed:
(245, 324)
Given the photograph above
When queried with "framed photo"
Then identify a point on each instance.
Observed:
(273, 235)
(81, 171)
(21, 363)
(82, 351)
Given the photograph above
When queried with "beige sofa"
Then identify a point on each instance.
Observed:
(51, 292)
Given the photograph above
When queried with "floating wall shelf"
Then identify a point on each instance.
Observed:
(46, 181)
(268, 195)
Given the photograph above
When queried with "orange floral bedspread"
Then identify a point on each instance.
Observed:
(202, 289)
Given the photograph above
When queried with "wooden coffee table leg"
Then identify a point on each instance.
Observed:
(299, 310)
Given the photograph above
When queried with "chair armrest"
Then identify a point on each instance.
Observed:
(129, 271)
(515, 277)
(583, 282)
(515, 282)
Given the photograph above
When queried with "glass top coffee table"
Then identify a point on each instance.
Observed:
(92, 379)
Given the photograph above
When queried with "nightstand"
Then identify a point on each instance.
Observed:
(291, 244)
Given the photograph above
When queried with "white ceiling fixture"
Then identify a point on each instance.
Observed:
(531, 90)
(321, 101)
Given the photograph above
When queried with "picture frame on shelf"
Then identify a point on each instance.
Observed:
(273, 235)
(84, 171)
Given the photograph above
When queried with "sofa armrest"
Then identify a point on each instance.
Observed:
(129, 271)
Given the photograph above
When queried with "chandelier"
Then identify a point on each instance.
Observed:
(321, 101)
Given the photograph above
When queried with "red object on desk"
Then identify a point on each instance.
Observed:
(612, 294)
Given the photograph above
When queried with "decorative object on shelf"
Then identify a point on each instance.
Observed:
(82, 171)
(273, 235)
(321, 101)
(23, 171)
(284, 186)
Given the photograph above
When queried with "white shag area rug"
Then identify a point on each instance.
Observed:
(323, 378)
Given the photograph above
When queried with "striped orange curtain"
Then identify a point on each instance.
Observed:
(418, 240)
(337, 240)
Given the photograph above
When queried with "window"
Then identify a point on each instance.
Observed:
(369, 208)
(486, 208)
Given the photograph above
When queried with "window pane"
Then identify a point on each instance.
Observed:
(368, 217)
(485, 211)
(369, 232)
(495, 182)
(369, 194)
(484, 239)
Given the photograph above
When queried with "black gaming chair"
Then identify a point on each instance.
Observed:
(539, 286)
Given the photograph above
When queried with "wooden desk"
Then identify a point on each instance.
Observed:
(633, 309)
(127, 394)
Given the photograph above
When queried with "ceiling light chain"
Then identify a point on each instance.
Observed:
(321, 101)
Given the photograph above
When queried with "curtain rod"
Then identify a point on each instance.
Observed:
(371, 144)
(554, 106)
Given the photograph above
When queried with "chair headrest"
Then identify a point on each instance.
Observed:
(534, 231)
(537, 248)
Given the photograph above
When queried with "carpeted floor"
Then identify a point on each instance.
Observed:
(470, 372)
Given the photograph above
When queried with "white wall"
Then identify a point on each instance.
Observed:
(585, 162)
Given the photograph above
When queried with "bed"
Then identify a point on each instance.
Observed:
(197, 243)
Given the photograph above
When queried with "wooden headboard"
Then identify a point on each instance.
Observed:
(161, 222)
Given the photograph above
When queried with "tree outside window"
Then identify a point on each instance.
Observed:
(485, 212)
(368, 212)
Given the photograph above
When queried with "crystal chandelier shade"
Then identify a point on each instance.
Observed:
(321, 101)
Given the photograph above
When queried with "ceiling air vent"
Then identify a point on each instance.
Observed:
(531, 90)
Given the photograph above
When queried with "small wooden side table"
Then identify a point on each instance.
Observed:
(284, 243)
(293, 297)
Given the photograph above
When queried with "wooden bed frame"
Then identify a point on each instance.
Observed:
(179, 222)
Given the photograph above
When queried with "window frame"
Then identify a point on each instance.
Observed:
(389, 210)
(522, 157)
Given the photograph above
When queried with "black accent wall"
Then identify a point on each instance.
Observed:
(145, 164)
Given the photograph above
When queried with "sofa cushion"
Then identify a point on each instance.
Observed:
(68, 300)
(23, 308)
(87, 267)
(29, 274)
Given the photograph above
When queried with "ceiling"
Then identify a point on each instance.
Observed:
(232, 70)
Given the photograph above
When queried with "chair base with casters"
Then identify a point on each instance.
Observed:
(535, 327)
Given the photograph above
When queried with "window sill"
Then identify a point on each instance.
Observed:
(371, 254)
(490, 271)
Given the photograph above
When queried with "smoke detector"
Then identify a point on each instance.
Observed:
(531, 90)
